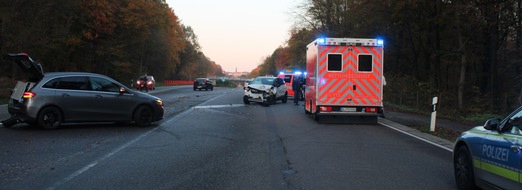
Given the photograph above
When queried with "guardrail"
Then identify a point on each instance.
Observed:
(177, 82)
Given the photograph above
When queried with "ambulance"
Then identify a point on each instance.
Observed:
(345, 78)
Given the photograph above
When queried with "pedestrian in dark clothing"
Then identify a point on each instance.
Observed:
(296, 87)
(144, 80)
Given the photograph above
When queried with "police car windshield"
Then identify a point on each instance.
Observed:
(264, 81)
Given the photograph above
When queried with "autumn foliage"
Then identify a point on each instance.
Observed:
(466, 52)
(119, 38)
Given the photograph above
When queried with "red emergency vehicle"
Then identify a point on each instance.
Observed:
(288, 76)
(345, 77)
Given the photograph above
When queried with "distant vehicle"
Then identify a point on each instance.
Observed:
(490, 156)
(266, 90)
(50, 99)
(151, 83)
(289, 80)
(203, 83)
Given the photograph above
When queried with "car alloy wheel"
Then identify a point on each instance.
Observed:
(285, 98)
(245, 100)
(49, 118)
(143, 116)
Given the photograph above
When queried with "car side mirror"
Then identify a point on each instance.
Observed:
(122, 90)
(492, 124)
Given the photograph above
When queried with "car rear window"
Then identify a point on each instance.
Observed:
(73, 83)
(52, 83)
(69, 83)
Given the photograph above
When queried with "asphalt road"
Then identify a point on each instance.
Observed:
(211, 140)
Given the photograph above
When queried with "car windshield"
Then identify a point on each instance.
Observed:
(264, 81)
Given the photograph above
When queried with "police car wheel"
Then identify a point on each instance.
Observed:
(463, 168)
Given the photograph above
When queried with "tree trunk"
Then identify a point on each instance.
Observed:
(463, 63)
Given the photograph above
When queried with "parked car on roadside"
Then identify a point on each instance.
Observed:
(203, 83)
(266, 90)
(490, 156)
(49, 99)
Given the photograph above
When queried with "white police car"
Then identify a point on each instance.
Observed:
(490, 156)
(266, 90)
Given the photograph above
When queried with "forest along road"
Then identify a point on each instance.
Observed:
(211, 140)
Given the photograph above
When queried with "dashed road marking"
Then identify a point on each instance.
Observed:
(219, 106)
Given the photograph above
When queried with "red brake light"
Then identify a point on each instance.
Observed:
(325, 108)
(28, 95)
(371, 109)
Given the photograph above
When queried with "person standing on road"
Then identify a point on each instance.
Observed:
(296, 87)
(144, 84)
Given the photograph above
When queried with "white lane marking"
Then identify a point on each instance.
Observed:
(115, 151)
(417, 137)
(96, 162)
(219, 106)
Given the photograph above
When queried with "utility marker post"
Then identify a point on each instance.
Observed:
(433, 113)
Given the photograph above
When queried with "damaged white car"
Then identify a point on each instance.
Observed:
(266, 90)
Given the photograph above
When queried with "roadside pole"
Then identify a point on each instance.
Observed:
(433, 113)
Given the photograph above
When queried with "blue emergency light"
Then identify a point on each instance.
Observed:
(321, 40)
(298, 73)
(380, 42)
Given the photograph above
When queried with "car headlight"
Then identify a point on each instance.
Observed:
(159, 102)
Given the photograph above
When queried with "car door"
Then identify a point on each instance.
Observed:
(501, 154)
(281, 87)
(110, 104)
(72, 96)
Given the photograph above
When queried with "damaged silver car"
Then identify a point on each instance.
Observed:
(266, 90)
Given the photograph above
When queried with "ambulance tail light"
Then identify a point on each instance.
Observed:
(325, 108)
(371, 110)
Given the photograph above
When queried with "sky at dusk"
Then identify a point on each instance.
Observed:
(237, 33)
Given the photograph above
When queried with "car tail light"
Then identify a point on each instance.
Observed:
(325, 108)
(371, 110)
(28, 95)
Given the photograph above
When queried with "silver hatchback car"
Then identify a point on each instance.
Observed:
(50, 99)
